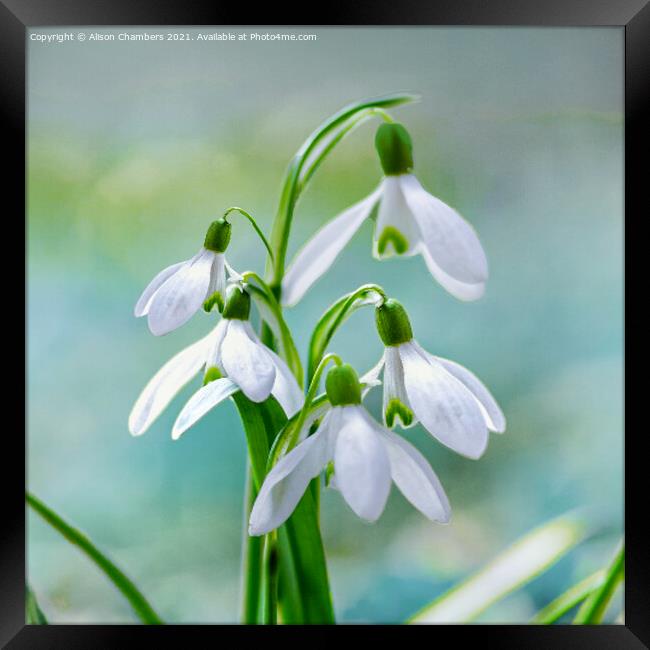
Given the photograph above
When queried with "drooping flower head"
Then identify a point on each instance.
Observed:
(366, 459)
(451, 402)
(410, 221)
(233, 358)
(178, 291)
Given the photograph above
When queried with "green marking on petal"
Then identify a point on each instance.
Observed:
(215, 299)
(329, 472)
(211, 374)
(390, 235)
(396, 408)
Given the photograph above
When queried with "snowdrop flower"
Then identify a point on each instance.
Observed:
(233, 354)
(366, 456)
(410, 221)
(178, 291)
(451, 403)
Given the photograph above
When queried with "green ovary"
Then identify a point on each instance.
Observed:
(390, 235)
(399, 409)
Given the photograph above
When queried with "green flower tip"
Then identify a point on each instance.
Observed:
(211, 374)
(218, 236)
(342, 386)
(238, 304)
(329, 473)
(390, 235)
(398, 409)
(393, 323)
(215, 299)
(395, 149)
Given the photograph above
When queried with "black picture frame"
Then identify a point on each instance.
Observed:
(16, 16)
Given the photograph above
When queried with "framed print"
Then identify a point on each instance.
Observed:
(324, 324)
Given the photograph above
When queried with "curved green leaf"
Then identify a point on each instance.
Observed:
(564, 603)
(523, 561)
(593, 609)
(138, 602)
(335, 315)
(33, 613)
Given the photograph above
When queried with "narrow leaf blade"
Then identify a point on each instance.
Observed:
(523, 561)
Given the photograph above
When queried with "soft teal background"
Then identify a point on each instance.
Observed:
(134, 148)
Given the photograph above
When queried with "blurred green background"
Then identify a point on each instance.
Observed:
(134, 147)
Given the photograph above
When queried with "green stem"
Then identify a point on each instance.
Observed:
(270, 588)
(251, 558)
(257, 229)
(333, 318)
(594, 608)
(138, 602)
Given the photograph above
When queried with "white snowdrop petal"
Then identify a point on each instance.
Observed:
(444, 406)
(285, 484)
(164, 385)
(213, 356)
(316, 257)
(144, 302)
(460, 290)
(285, 387)
(182, 295)
(361, 464)
(394, 388)
(394, 213)
(247, 362)
(492, 413)
(371, 378)
(217, 276)
(416, 480)
(451, 241)
(201, 402)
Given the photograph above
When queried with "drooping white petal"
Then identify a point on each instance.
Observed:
(395, 219)
(285, 484)
(493, 415)
(213, 356)
(285, 387)
(456, 257)
(144, 302)
(395, 398)
(416, 480)
(323, 248)
(460, 290)
(217, 276)
(444, 406)
(361, 463)
(201, 402)
(247, 362)
(164, 385)
(182, 295)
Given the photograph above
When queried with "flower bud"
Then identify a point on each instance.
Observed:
(238, 304)
(393, 323)
(395, 149)
(218, 236)
(342, 386)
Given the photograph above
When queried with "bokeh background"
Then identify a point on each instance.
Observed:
(134, 147)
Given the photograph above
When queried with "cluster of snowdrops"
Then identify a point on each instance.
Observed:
(330, 433)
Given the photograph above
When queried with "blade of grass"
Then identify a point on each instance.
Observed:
(517, 565)
(33, 613)
(564, 603)
(593, 609)
(138, 602)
